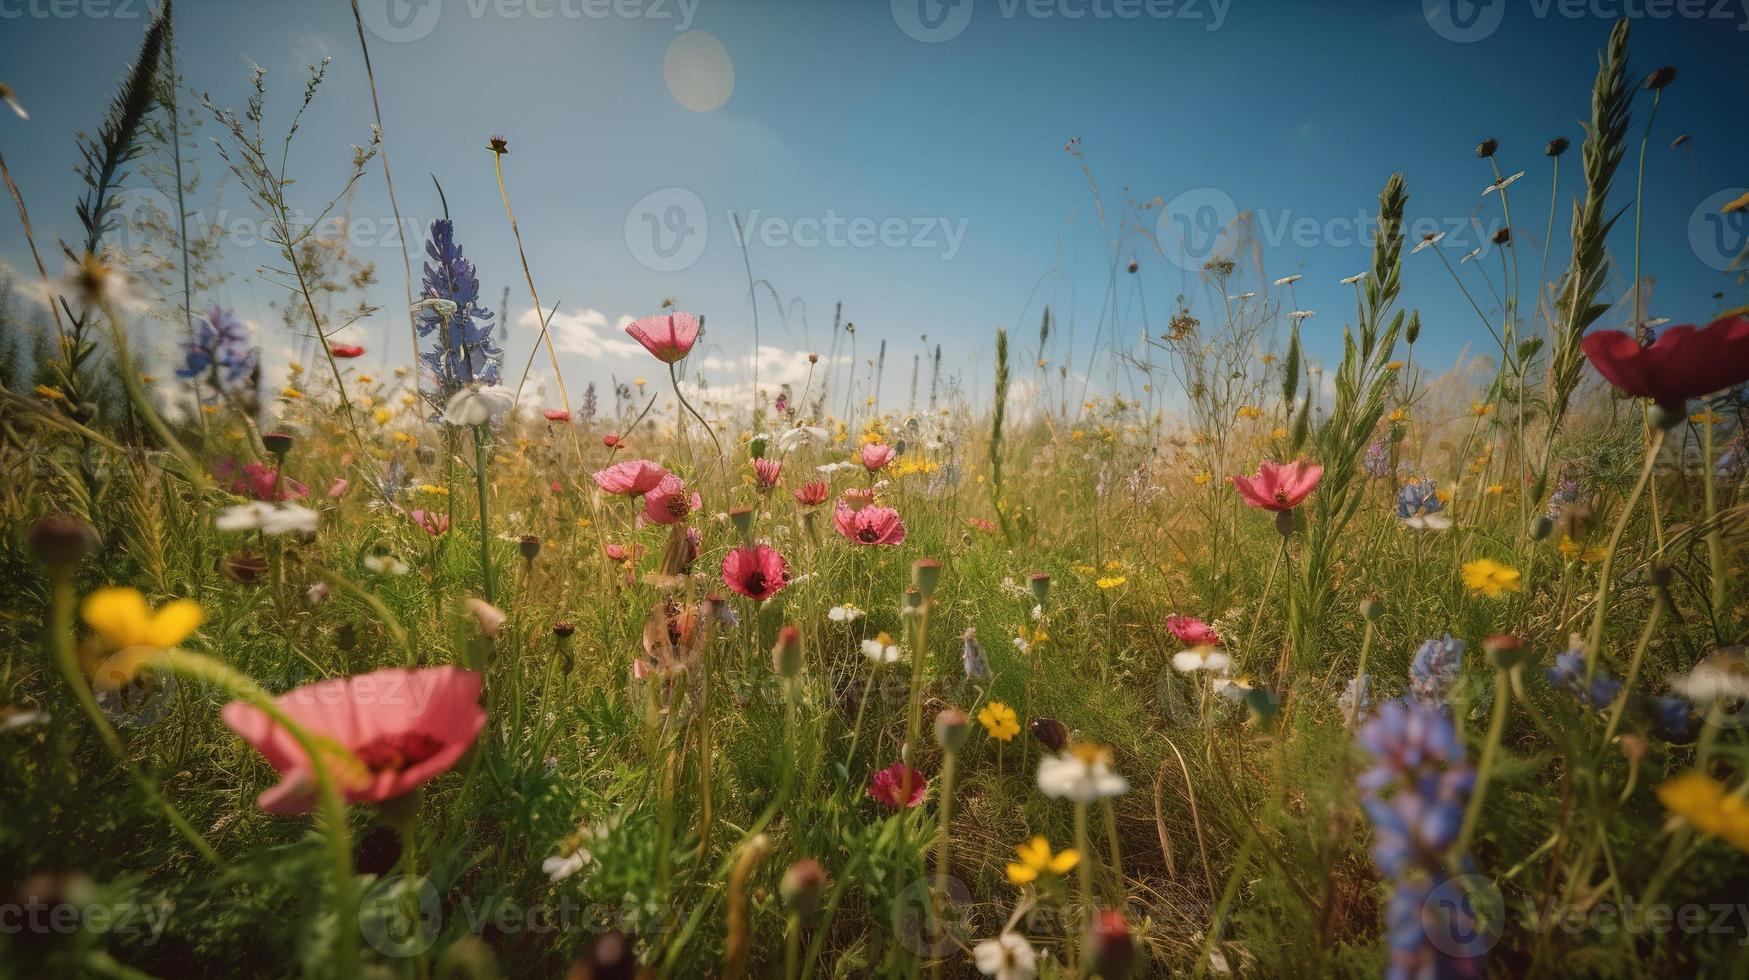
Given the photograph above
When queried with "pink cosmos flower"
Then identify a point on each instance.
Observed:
(876, 455)
(813, 493)
(338, 487)
(1278, 486)
(403, 727)
(431, 521)
(870, 525)
(669, 336)
(670, 502)
(888, 786)
(766, 473)
(631, 478)
(757, 572)
(1192, 632)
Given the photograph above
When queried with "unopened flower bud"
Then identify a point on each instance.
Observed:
(1111, 947)
(61, 540)
(1542, 527)
(1487, 147)
(1557, 146)
(1504, 650)
(952, 728)
(529, 545)
(786, 656)
(802, 886)
(1040, 584)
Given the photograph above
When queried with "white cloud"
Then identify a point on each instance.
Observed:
(585, 332)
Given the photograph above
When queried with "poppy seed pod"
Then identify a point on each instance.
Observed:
(925, 575)
(786, 656)
(1371, 609)
(802, 886)
(1486, 148)
(529, 545)
(1504, 650)
(1660, 78)
(1557, 146)
(952, 728)
(277, 443)
(1503, 236)
(1542, 527)
(61, 540)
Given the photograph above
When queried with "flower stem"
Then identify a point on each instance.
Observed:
(480, 485)
(1595, 645)
(1484, 768)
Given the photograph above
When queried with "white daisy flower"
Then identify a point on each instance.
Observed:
(794, 439)
(1428, 241)
(385, 564)
(1081, 774)
(846, 613)
(1007, 957)
(1232, 688)
(268, 519)
(1289, 280)
(1302, 314)
(882, 650)
(564, 866)
(1428, 522)
(1351, 280)
(1471, 254)
(1200, 658)
(1502, 183)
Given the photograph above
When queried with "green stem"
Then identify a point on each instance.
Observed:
(480, 485)
(1485, 768)
(1595, 645)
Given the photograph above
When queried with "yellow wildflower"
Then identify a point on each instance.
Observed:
(1000, 721)
(1487, 577)
(1111, 582)
(1036, 859)
(129, 630)
(1698, 799)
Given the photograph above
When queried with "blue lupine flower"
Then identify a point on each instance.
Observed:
(1415, 794)
(1435, 669)
(463, 352)
(220, 345)
(1669, 718)
(1378, 459)
(1418, 504)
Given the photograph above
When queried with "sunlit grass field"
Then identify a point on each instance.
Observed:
(1266, 667)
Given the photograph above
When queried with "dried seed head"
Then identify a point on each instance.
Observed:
(1486, 148)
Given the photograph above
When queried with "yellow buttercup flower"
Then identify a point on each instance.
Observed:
(1487, 577)
(1495, 489)
(1698, 799)
(1036, 859)
(1250, 412)
(1000, 721)
(1203, 479)
(1393, 365)
(128, 629)
(1480, 409)
(1397, 415)
(1111, 582)
(1572, 549)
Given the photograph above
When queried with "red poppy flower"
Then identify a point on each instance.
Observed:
(871, 525)
(632, 478)
(813, 493)
(404, 727)
(888, 786)
(669, 336)
(346, 350)
(758, 572)
(1684, 362)
(1279, 487)
(670, 502)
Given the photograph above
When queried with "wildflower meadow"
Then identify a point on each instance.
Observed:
(1207, 633)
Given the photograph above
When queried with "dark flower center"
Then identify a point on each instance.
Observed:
(756, 583)
(1281, 496)
(677, 504)
(397, 753)
(868, 535)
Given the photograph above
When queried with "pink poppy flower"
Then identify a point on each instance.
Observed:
(611, 440)
(813, 493)
(431, 522)
(338, 487)
(757, 572)
(346, 350)
(631, 478)
(670, 502)
(617, 552)
(1192, 632)
(557, 415)
(870, 525)
(669, 336)
(261, 481)
(888, 786)
(1278, 486)
(876, 455)
(403, 727)
(766, 473)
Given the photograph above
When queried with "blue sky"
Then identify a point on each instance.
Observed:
(939, 163)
